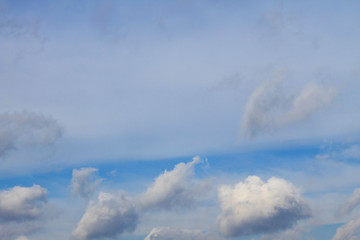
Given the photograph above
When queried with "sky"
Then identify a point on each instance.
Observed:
(186, 120)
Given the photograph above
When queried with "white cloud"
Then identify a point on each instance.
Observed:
(269, 107)
(352, 203)
(83, 183)
(108, 217)
(22, 203)
(25, 128)
(349, 231)
(173, 189)
(254, 206)
(167, 233)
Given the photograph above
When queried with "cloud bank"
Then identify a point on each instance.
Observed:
(269, 107)
(107, 217)
(25, 128)
(83, 183)
(167, 233)
(173, 189)
(254, 206)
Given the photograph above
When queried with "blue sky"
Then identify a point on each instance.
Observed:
(179, 120)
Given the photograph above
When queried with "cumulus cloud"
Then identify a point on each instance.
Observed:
(83, 183)
(107, 217)
(173, 189)
(352, 203)
(269, 107)
(167, 233)
(348, 231)
(254, 206)
(22, 203)
(26, 128)
(21, 210)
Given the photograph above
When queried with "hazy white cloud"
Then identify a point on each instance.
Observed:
(107, 217)
(254, 206)
(83, 183)
(25, 128)
(270, 107)
(349, 231)
(173, 189)
(168, 233)
(22, 238)
(22, 203)
(352, 203)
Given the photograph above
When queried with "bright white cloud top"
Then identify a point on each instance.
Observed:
(350, 231)
(254, 206)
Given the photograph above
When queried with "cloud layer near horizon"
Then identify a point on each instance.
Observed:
(254, 207)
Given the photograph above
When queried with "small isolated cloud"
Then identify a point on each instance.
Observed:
(254, 207)
(348, 231)
(25, 128)
(269, 107)
(173, 189)
(167, 233)
(22, 203)
(352, 203)
(83, 183)
(107, 217)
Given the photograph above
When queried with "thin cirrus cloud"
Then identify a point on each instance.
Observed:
(269, 107)
(255, 207)
(173, 189)
(21, 129)
(349, 231)
(168, 233)
(107, 217)
(83, 182)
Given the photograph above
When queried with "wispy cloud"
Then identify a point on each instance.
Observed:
(254, 207)
(352, 203)
(20, 129)
(270, 107)
(168, 233)
(83, 182)
(349, 231)
(107, 217)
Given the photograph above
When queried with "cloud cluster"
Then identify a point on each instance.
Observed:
(269, 107)
(167, 233)
(254, 206)
(109, 216)
(83, 183)
(348, 231)
(25, 128)
(173, 189)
